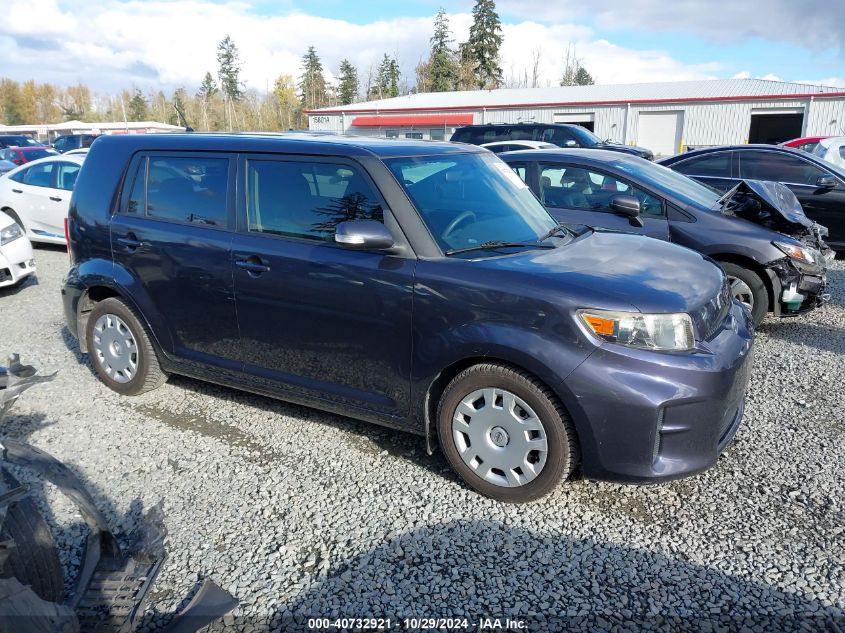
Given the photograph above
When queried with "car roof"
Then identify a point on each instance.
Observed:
(734, 148)
(328, 144)
(583, 155)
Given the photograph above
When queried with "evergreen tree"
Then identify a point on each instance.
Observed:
(208, 88)
(387, 79)
(137, 107)
(442, 71)
(312, 84)
(574, 74)
(348, 88)
(180, 101)
(485, 39)
(230, 69)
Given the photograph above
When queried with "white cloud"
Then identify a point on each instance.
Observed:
(166, 43)
(817, 24)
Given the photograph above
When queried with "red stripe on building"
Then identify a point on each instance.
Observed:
(432, 120)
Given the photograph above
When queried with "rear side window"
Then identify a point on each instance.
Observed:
(66, 174)
(717, 165)
(38, 175)
(181, 189)
(307, 199)
(759, 165)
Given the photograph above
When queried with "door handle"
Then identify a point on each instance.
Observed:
(131, 243)
(253, 265)
(55, 199)
(17, 190)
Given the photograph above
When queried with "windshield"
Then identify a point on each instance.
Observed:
(468, 199)
(585, 137)
(670, 183)
(18, 141)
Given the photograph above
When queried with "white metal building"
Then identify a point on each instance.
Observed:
(664, 117)
(52, 131)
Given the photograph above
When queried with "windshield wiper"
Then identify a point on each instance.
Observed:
(555, 229)
(496, 244)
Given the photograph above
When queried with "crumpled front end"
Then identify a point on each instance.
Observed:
(797, 289)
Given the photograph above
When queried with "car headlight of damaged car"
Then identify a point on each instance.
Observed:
(801, 254)
(660, 332)
(10, 234)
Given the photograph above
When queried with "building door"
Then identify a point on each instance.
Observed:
(586, 119)
(661, 132)
(775, 127)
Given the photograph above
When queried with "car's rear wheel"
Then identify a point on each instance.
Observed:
(505, 433)
(121, 350)
(747, 288)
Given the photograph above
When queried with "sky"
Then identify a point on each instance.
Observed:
(164, 44)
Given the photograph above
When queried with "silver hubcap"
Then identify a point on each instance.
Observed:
(115, 348)
(500, 437)
(741, 292)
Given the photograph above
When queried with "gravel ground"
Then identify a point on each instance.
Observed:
(299, 512)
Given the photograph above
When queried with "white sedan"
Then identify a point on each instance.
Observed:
(497, 147)
(16, 260)
(36, 195)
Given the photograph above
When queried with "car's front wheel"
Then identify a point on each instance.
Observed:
(747, 288)
(121, 350)
(505, 433)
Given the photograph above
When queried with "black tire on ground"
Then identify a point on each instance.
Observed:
(149, 374)
(563, 453)
(759, 293)
(33, 560)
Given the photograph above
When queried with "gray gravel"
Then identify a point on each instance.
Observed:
(299, 512)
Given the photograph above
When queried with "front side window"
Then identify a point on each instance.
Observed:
(521, 170)
(181, 189)
(760, 165)
(466, 200)
(572, 187)
(40, 175)
(307, 199)
(66, 174)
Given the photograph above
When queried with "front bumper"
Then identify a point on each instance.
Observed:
(644, 417)
(16, 262)
(796, 291)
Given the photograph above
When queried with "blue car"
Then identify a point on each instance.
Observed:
(416, 285)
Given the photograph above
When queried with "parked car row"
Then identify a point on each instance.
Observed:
(516, 312)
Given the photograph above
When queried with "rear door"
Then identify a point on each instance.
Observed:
(171, 243)
(579, 195)
(824, 205)
(32, 193)
(717, 169)
(319, 321)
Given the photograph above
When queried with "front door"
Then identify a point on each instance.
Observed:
(33, 192)
(318, 321)
(171, 241)
(580, 195)
(823, 205)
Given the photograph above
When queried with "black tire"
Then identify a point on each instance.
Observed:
(149, 374)
(34, 559)
(760, 296)
(562, 452)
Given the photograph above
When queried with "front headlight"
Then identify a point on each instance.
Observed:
(10, 234)
(647, 331)
(801, 254)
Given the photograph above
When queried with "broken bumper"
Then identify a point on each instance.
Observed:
(796, 290)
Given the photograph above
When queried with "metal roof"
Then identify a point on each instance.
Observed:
(704, 90)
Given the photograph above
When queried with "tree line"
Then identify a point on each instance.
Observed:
(224, 102)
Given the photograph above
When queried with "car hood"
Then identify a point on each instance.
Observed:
(629, 149)
(611, 270)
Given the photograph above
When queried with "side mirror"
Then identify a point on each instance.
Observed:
(826, 182)
(570, 143)
(627, 206)
(363, 235)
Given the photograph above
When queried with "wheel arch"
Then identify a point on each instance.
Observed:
(96, 293)
(756, 267)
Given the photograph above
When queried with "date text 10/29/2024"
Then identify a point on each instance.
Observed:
(417, 624)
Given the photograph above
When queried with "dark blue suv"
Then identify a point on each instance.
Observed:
(417, 285)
